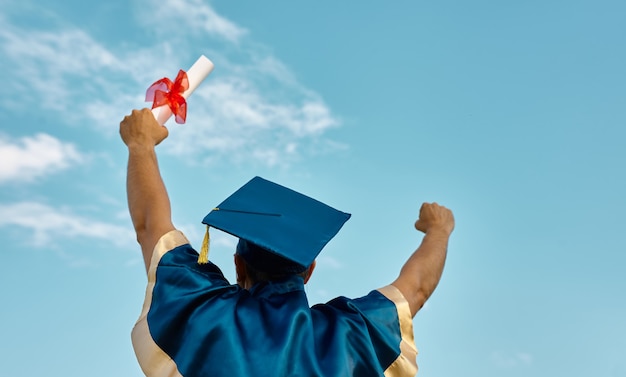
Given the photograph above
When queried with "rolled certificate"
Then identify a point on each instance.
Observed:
(196, 74)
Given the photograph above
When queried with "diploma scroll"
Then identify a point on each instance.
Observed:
(196, 74)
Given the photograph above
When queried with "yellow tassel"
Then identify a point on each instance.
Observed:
(203, 258)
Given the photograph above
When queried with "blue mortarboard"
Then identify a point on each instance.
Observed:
(280, 230)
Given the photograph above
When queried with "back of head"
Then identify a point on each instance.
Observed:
(263, 265)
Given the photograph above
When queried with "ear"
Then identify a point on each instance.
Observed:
(309, 272)
(240, 270)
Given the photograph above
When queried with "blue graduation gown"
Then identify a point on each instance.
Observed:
(195, 324)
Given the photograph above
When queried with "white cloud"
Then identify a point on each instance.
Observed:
(188, 16)
(32, 157)
(49, 224)
(47, 60)
(236, 120)
(254, 110)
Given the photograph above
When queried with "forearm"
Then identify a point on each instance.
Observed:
(148, 202)
(420, 275)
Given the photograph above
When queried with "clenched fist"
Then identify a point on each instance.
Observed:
(434, 217)
(141, 129)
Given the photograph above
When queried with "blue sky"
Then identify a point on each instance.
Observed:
(510, 113)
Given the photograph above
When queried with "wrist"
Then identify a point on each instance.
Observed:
(140, 148)
(438, 231)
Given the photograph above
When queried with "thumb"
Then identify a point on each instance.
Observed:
(420, 225)
(162, 135)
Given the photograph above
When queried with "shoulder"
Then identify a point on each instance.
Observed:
(382, 319)
(385, 298)
(166, 243)
(176, 260)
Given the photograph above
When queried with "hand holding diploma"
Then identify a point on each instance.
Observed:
(169, 97)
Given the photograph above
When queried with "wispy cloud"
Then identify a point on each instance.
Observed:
(188, 16)
(511, 360)
(29, 158)
(76, 78)
(48, 62)
(47, 224)
(253, 110)
(236, 120)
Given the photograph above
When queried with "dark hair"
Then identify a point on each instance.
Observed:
(258, 276)
(263, 260)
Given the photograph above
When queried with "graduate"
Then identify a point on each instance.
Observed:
(194, 323)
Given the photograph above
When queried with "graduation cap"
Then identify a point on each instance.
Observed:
(280, 230)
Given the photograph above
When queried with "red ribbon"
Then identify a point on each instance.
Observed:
(166, 92)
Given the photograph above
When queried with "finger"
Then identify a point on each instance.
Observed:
(124, 121)
(420, 225)
(164, 132)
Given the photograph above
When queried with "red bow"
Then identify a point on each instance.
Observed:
(166, 92)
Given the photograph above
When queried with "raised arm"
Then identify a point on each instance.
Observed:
(148, 202)
(421, 273)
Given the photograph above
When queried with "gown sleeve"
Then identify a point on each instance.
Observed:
(405, 364)
(175, 284)
(379, 324)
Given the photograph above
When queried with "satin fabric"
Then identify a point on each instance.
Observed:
(211, 328)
